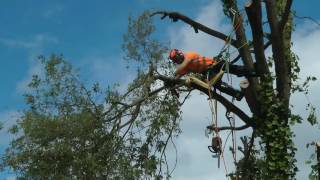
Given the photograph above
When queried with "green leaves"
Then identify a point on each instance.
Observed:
(14, 129)
(312, 118)
(139, 46)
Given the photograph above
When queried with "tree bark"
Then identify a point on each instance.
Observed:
(254, 13)
(281, 66)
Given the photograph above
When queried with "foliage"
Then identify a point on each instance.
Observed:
(72, 132)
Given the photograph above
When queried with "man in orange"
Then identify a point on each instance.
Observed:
(193, 62)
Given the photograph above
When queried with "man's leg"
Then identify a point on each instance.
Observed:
(237, 70)
(241, 71)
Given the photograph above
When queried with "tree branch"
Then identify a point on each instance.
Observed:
(134, 116)
(308, 18)
(281, 66)
(185, 98)
(249, 147)
(254, 13)
(229, 128)
(134, 103)
(267, 45)
(227, 104)
(131, 121)
(175, 16)
(285, 15)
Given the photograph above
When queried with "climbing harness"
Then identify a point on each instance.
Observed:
(211, 82)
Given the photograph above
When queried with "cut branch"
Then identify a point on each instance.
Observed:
(254, 13)
(175, 16)
(229, 128)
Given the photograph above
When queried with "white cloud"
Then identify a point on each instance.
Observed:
(36, 42)
(107, 70)
(186, 39)
(54, 10)
(11, 178)
(306, 47)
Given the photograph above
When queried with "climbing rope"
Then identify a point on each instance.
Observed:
(214, 111)
(216, 146)
(223, 56)
(213, 105)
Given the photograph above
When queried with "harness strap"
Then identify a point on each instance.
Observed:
(216, 78)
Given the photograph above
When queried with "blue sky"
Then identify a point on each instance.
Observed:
(80, 30)
(89, 35)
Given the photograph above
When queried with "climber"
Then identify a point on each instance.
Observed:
(193, 62)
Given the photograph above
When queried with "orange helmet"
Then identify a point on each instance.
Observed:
(176, 56)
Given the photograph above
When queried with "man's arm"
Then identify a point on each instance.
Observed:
(181, 69)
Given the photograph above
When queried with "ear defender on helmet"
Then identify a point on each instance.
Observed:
(176, 56)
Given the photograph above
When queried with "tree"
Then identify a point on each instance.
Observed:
(70, 130)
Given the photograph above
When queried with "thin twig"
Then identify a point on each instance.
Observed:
(185, 98)
(308, 18)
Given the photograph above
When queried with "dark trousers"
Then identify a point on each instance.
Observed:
(237, 70)
(224, 87)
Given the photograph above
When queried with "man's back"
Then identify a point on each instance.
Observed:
(196, 63)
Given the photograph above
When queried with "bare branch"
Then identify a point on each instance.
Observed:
(163, 154)
(134, 116)
(175, 16)
(267, 45)
(248, 147)
(135, 103)
(185, 98)
(308, 18)
(235, 59)
(176, 156)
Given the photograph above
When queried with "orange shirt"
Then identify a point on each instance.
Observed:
(197, 63)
